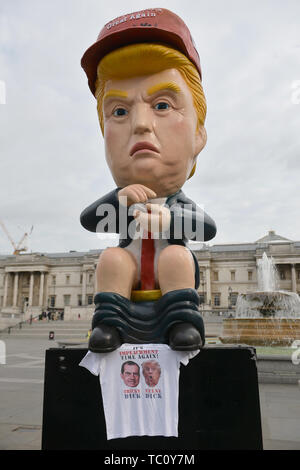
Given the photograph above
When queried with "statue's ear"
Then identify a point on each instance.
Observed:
(201, 138)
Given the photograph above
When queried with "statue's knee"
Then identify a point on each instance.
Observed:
(174, 255)
(110, 258)
(116, 259)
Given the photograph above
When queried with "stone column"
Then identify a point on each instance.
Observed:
(95, 281)
(15, 294)
(294, 282)
(208, 285)
(83, 292)
(5, 289)
(30, 290)
(41, 290)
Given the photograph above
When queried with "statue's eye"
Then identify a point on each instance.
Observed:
(120, 112)
(161, 105)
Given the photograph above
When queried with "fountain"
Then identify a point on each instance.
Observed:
(267, 317)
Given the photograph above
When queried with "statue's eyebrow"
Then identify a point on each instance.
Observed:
(164, 86)
(115, 94)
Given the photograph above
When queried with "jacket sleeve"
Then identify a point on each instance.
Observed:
(104, 214)
(190, 222)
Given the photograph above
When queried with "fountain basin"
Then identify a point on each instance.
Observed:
(261, 331)
(276, 304)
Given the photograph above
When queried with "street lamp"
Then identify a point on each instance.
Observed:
(229, 297)
(202, 283)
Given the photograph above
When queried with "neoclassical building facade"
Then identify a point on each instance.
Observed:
(65, 282)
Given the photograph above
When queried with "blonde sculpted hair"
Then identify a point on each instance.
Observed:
(147, 59)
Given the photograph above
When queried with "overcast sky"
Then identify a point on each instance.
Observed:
(51, 148)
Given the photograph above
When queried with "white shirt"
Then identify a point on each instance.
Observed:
(137, 407)
(135, 246)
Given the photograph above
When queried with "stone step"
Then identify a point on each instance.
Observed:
(72, 329)
(58, 322)
(41, 329)
(45, 330)
(52, 325)
(45, 335)
(55, 325)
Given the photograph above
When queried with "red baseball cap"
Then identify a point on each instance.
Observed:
(149, 25)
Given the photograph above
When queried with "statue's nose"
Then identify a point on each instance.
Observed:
(141, 118)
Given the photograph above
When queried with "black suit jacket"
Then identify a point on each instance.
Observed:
(188, 221)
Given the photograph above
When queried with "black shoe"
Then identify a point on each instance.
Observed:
(185, 337)
(104, 339)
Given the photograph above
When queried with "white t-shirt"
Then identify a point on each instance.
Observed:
(140, 397)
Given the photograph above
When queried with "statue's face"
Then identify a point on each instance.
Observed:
(150, 131)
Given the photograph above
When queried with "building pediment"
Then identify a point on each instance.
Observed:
(26, 268)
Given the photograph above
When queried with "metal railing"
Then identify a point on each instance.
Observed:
(7, 329)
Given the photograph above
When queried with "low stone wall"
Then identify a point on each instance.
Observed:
(72, 313)
(261, 331)
(277, 369)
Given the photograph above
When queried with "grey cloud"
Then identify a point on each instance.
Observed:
(52, 153)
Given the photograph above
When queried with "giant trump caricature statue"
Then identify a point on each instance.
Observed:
(145, 73)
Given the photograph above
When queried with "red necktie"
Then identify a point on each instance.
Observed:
(147, 262)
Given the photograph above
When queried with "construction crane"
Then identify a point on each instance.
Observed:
(18, 248)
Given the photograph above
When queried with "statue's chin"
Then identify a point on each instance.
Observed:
(160, 179)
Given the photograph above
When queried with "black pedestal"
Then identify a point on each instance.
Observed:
(218, 404)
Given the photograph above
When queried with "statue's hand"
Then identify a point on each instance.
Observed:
(156, 220)
(135, 193)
